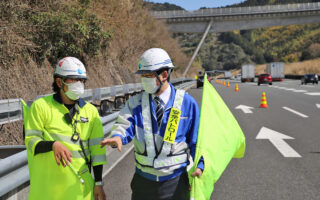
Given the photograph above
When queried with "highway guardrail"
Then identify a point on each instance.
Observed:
(14, 170)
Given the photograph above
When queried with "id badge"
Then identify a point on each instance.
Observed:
(75, 137)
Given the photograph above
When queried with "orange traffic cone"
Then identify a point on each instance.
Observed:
(237, 88)
(228, 84)
(263, 103)
(224, 83)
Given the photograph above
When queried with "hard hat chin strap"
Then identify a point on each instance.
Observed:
(63, 84)
(169, 73)
(161, 83)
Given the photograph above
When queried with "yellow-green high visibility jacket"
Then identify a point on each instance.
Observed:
(48, 180)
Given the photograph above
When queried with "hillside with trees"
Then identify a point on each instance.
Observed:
(231, 49)
(109, 36)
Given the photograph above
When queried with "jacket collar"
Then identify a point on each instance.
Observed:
(172, 96)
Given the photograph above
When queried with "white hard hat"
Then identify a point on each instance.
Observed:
(70, 67)
(153, 60)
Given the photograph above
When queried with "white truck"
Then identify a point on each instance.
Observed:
(276, 70)
(227, 75)
(247, 73)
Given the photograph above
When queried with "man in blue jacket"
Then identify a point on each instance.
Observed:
(163, 122)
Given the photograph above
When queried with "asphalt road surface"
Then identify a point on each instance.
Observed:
(282, 160)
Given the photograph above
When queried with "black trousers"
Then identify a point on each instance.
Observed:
(173, 189)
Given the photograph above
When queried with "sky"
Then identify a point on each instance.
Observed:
(196, 4)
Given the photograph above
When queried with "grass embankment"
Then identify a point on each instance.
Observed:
(109, 36)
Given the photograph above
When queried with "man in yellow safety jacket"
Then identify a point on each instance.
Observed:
(63, 133)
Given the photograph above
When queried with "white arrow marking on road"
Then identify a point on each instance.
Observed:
(277, 139)
(295, 112)
(244, 108)
(318, 105)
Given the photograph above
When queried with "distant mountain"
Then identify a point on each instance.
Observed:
(161, 6)
(232, 49)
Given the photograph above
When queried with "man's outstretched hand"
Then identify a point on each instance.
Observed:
(114, 142)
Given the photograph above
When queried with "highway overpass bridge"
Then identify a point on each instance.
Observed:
(237, 18)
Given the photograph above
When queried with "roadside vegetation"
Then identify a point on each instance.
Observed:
(109, 36)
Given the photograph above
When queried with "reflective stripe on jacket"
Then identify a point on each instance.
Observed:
(130, 125)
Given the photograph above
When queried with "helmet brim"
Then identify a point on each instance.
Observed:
(144, 71)
(71, 76)
(152, 71)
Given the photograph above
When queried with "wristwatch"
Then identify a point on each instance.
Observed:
(98, 183)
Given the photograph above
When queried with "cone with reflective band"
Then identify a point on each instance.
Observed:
(224, 83)
(263, 103)
(237, 88)
(228, 84)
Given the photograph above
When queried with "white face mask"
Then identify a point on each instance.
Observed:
(75, 90)
(149, 85)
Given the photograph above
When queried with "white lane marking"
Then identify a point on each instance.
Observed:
(313, 93)
(295, 112)
(277, 139)
(318, 105)
(115, 163)
(244, 108)
(300, 91)
(290, 89)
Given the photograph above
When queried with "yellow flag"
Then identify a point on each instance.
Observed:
(220, 139)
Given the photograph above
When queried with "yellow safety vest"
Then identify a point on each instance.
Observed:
(45, 120)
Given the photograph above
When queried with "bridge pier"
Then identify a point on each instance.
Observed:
(198, 48)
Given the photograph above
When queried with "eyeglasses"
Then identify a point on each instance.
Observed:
(147, 75)
(73, 80)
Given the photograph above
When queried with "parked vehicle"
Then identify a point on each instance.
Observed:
(247, 73)
(276, 70)
(200, 80)
(238, 77)
(227, 75)
(309, 78)
(265, 78)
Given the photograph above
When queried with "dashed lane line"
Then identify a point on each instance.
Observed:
(290, 89)
(295, 112)
(313, 93)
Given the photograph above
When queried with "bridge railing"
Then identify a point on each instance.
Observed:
(237, 11)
